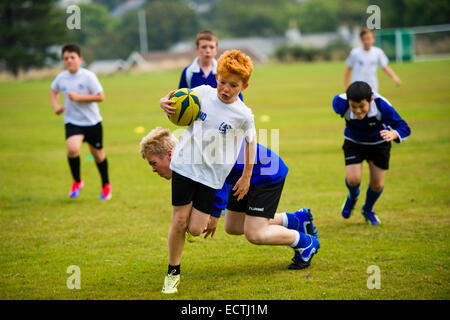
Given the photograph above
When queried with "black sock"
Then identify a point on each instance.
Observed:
(103, 169)
(74, 164)
(176, 268)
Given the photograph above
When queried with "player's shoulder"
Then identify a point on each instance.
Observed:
(377, 50)
(205, 89)
(356, 51)
(62, 74)
(87, 73)
(340, 99)
(241, 106)
(381, 101)
(340, 104)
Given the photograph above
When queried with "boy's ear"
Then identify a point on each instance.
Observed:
(244, 86)
(371, 100)
(169, 153)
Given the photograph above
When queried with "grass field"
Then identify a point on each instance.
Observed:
(121, 245)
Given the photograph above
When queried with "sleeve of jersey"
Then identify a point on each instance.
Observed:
(55, 85)
(249, 128)
(350, 60)
(340, 105)
(383, 60)
(94, 85)
(393, 119)
(220, 202)
(183, 82)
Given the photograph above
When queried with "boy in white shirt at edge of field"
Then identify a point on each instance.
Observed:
(82, 119)
(362, 63)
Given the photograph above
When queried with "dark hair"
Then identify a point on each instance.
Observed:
(365, 31)
(71, 48)
(358, 91)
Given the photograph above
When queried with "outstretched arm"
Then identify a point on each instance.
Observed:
(392, 74)
(243, 184)
(348, 72)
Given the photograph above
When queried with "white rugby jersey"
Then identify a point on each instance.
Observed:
(82, 82)
(209, 147)
(364, 64)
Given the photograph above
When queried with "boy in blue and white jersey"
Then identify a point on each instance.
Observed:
(371, 124)
(203, 70)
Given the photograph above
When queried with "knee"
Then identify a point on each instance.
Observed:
(353, 180)
(230, 229)
(254, 236)
(376, 186)
(179, 225)
(99, 156)
(73, 152)
(195, 230)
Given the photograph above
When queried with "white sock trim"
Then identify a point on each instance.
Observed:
(284, 219)
(296, 240)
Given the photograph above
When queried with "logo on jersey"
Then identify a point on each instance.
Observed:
(202, 115)
(224, 127)
(80, 86)
(372, 124)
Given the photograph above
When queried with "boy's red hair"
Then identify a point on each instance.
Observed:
(235, 62)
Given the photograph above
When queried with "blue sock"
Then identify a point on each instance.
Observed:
(291, 221)
(354, 191)
(371, 198)
(301, 241)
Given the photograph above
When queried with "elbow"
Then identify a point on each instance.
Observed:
(101, 97)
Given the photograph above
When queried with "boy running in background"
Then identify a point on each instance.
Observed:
(362, 63)
(369, 119)
(82, 118)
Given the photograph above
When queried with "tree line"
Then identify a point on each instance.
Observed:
(29, 27)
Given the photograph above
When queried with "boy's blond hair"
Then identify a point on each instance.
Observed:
(235, 62)
(157, 142)
(206, 35)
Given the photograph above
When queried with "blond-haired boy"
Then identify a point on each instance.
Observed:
(254, 216)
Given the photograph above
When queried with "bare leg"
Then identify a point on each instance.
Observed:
(258, 231)
(234, 222)
(178, 225)
(198, 221)
(98, 154)
(353, 174)
(73, 144)
(376, 177)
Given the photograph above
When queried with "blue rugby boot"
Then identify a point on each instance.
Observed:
(301, 220)
(371, 217)
(303, 256)
(348, 206)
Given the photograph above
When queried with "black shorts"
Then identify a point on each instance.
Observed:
(185, 190)
(260, 201)
(357, 153)
(92, 134)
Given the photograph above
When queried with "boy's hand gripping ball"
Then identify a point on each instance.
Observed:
(187, 104)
